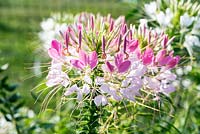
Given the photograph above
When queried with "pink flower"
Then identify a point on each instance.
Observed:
(121, 64)
(55, 52)
(84, 60)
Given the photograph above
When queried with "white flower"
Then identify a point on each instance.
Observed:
(186, 83)
(164, 19)
(191, 41)
(187, 69)
(179, 71)
(186, 20)
(197, 23)
(47, 24)
(100, 100)
(143, 22)
(151, 8)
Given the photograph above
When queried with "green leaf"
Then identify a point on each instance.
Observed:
(14, 98)
(11, 88)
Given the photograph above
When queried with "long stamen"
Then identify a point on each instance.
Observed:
(92, 22)
(119, 43)
(111, 25)
(125, 44)
(103, 48)
(66, 50)
(130, 35)
(79, 40)
(149, 37)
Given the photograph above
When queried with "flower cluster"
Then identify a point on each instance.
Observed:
(181, 17)
(102, 59)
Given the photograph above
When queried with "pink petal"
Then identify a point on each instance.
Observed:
(83, 57)
(173, 62)
(148, 56)
(56, 45)
(53, 53)
(77, 64)
(165, 60)
(133, 45)
(161, 55)
(119, 59)
(123, 67)
(109, 67)
(93, 60)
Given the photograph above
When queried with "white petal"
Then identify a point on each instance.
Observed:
(100, 100)
(79, 95)
(71, 90)
(105, 88)
(99, 80)
(87, 79)
(86, 89)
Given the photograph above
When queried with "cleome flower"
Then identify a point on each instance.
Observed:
(105, 60)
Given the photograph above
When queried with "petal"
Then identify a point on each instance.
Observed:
(56, 45)
(83, 57)
(161, 55)
(173, 62)
(123, 67)
(133, 45)
(77, 64)
(93, 60)
(168, 89)
(71, 90)
(53, 53)
(87, 79)
(100, 100)
(86, 89)
(110, 67)
(105, 88)
(165, 60)
(148, 56)
(79, 95)
(99, 80)
(119, 59)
